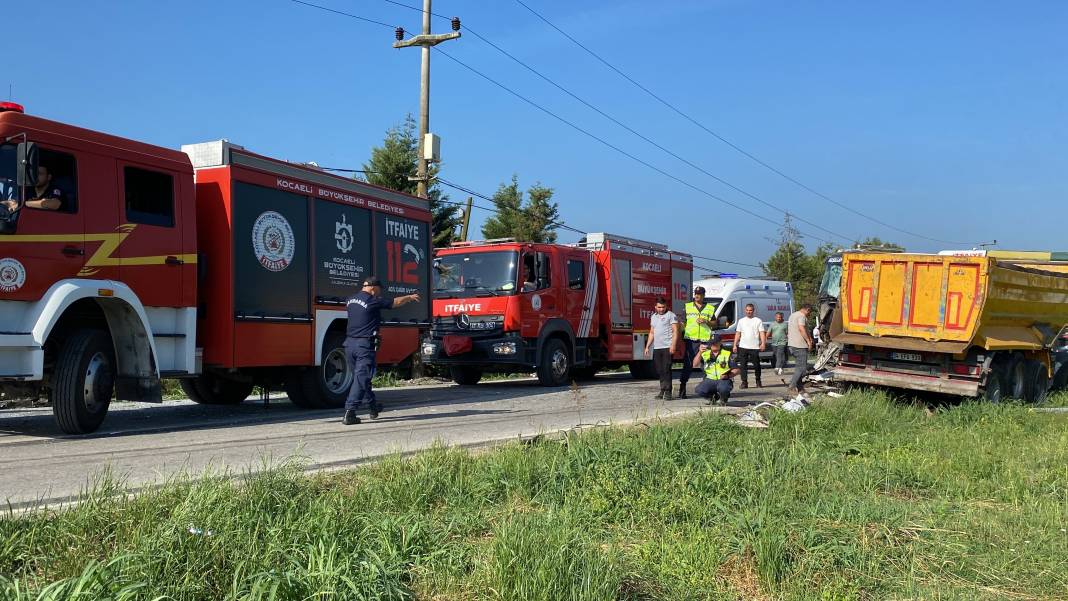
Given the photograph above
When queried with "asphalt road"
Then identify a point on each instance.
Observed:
(146, 443)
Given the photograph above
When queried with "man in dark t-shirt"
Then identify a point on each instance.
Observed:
(45, 195)
(361, 342)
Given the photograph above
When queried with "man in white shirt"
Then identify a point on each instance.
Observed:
(750, 338)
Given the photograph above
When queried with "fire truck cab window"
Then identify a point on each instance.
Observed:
(537, 272)
(60, 182)
(576, 274)
(149, 197)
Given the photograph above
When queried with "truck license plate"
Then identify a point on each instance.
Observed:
(906, 356)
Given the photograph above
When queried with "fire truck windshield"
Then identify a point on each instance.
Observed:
(475, 274)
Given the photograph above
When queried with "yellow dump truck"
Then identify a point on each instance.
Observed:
(964, 323)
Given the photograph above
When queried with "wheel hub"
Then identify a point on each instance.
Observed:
(559, 363)
(97, 385)
(336, 374)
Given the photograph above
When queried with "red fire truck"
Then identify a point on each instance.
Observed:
(564, 311)
(215, 265)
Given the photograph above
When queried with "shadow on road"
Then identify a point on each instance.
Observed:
(130, 419)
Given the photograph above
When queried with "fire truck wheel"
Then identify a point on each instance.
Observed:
(208, 389)
(642, 370)
(1036, 384)
(294, 386)
(583, 373)
(327, 386)
(554, 369)
(465, 375)
(84, 381)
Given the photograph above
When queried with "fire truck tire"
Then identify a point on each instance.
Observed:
(583, 373)
(294, 387)
(208, 389)
(554, 369)
(327, 386)
(465, 375)
(642, 370)
(84, 381)
(1036, 385)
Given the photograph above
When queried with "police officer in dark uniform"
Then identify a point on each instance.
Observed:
(361, 342)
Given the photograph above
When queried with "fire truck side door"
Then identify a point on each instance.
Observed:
(151, 253)
(47, 246)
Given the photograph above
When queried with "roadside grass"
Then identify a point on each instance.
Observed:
(855, 498)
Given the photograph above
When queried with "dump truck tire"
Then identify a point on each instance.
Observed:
(994, 391)
(83, 381)
(1036, 387)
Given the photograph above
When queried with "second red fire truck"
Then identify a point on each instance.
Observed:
(563, 311)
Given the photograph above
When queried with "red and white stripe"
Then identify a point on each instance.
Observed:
(586, 320)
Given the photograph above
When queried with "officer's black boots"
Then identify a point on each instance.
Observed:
(351, 418)
(373, 410)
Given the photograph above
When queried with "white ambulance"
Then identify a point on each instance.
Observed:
(731, 294)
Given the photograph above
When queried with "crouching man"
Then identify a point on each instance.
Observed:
(720, 367)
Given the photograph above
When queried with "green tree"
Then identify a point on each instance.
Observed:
(876, 243)
(791, 263)
(533, 220)
(396, 161)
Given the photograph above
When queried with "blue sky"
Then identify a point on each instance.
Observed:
(947, 119)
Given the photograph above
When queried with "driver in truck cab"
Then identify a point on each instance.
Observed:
(42, 196)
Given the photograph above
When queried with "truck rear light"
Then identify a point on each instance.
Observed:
(962, 369)
(853, 358)
(11, 106)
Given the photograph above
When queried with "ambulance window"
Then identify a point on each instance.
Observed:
(149, 197)
(576, 274)
(727, 312)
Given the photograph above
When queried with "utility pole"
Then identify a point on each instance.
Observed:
(467, 219)
(425, 41)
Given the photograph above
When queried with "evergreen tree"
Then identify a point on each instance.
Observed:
(531, 221)
(392, 164)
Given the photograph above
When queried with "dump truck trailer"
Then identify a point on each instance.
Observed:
(963, 323)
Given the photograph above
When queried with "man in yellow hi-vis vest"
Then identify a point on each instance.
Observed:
(700, 321)
(720, 368)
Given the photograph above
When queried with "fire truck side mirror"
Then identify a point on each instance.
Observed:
(28, 161)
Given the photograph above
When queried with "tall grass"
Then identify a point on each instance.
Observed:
(860, 498)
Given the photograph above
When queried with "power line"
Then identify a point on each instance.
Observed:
(345, 14)
(630, 129)
(559, 224)
(718, 136)
(618, 149)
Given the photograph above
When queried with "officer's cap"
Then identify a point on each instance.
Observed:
(371, 281)
(715, 339)
(699, 290)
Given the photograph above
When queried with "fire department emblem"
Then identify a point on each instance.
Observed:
(272, 241)
(343, 235)
(12, 275)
